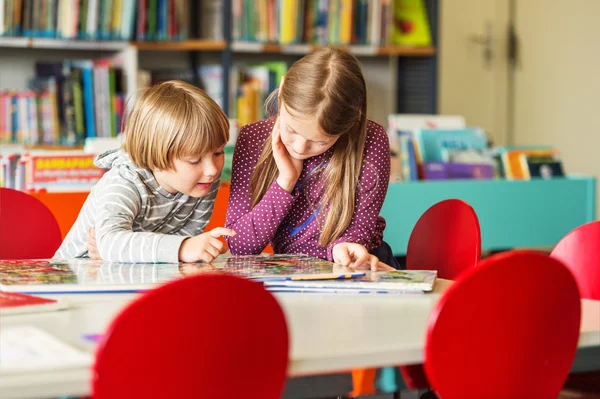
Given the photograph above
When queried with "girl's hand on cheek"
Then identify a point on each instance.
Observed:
(289, 167)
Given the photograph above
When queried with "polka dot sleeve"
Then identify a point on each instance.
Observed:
(255, 227)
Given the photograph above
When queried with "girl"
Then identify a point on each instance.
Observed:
(312, 179)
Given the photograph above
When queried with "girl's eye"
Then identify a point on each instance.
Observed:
(194, 162)
(218, 154)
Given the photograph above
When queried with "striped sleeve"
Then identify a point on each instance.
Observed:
(201, 216)
(117, 207)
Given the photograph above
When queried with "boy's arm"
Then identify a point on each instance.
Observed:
(118, 206)
(366, 227)
(255, 227)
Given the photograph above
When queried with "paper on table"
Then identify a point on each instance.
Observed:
(27, 348)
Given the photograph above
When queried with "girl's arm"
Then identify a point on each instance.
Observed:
(366, 227)
(117, 205)
(255, 227)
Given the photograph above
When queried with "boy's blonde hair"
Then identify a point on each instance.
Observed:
(172, 120)
(329, 85)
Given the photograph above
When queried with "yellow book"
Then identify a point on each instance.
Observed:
(287, 18)
(346, 21)
(410, 23)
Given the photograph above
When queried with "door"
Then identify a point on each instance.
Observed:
(557, 80)
(473, 63)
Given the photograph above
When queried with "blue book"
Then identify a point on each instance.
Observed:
(433, 144)
(87, 81)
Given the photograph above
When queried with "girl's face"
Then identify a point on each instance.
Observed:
(302, 136)
(192, 175)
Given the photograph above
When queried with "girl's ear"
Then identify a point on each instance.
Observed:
(281, 82)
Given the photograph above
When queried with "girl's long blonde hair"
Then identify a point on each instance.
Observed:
(327, 84)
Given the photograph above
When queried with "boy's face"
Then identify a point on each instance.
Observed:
(192, 175)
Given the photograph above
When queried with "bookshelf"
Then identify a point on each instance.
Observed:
(401, 79)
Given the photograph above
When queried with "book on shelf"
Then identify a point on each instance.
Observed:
(81, 275)
(340, 22)
(67, 102)
(250, 86)
(15, 303)
(510, 157)
(52, 171)
(118, 20)
(541, 166)
(404, 150)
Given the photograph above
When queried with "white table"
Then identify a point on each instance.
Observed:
(354, 331)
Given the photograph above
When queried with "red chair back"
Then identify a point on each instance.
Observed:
(446, 238)
(205, 336)
(505, 329)
(580, 252)
(28, 230)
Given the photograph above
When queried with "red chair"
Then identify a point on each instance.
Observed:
(580, 252)
(205, 336)
(446, 238)
(28, 230)
(505, 329)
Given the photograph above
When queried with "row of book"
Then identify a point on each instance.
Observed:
(436, 147)
(250, 85)
(110, 19)
(66, 102)
(49, 171)
(344, 22)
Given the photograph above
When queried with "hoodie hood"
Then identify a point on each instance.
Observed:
(120, 162)
(112, 159)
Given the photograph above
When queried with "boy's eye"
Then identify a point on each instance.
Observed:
(194, 162)
(219, 153)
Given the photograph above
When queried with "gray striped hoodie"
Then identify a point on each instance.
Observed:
(136, 220)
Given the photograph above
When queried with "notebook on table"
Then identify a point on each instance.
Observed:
(15, 303)
(46, 276)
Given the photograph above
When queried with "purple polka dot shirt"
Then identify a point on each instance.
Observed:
(287, 221)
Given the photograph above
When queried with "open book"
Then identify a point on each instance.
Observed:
(77, 276)
(383, 282)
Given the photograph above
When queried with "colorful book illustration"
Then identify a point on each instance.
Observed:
(276, 267)
(386, 282)
(84, 275)
(14, 303)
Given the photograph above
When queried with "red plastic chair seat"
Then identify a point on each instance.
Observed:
(505, 329)
(205, 336)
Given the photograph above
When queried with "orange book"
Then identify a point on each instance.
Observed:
(511, 162)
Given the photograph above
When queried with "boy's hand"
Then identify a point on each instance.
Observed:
(90, 243)
(356, 256)
(289, 167)
(205, 247)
